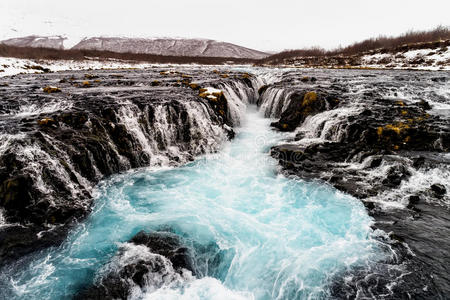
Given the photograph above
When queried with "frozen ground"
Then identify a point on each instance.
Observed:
(12, 66)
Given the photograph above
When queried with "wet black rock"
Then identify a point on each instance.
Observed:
(370, 146)
(54, 153)
(424, 105)
(395, 175)
(413, 200)
(438, 189)
(144, 271)
(302, 105)
(168, 245)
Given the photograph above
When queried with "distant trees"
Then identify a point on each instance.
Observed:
(384, 42)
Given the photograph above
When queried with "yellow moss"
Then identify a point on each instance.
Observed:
(401, 103)
(246, 75)
(396, 147)
(86, 84)
(404, 112)
(90, 76)
(397, 128)
(45, 121)
(186, 76)
(97, 81)
(194, 86)
(427, 116)
(216, 71)
(218, 94)
(155, 83)
(309, 98)
(407, 139)
(221, 112)
(203, 95)
(284, 126)
(202, 90)
(380, 131)
(51, 89)
(224, 75)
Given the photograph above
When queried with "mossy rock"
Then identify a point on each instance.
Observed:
(90, 76)
(46, 122)
(194, 86)
(51, 89)
(309, 98)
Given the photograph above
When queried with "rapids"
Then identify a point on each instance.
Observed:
(254, 233)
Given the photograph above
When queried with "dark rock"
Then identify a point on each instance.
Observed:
(396, 175)
(413, 201)
(262, 89)
(424, 105)
(376, 162)
(117, 284)
(418, 162)
(168, 245)
(301, 105)
(369, 205)
(15, 194)
(438, 189)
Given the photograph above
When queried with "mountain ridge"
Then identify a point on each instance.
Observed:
(158, 46)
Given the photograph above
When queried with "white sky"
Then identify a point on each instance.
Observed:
(265, 25)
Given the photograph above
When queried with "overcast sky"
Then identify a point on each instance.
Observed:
(260, 24)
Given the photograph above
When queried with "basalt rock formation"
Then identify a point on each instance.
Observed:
(62, 133)
(380, 147)
(166, 262)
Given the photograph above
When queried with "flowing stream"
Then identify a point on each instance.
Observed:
(257, 234)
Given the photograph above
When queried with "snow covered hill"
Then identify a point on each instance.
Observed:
(158, 46)
(56, 42)
(170, 46)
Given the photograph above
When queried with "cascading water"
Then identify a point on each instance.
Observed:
(257, 235)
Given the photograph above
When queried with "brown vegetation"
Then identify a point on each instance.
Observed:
(381, 42)
(56, 54)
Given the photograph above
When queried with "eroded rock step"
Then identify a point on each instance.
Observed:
(63, 132)
(383, 137)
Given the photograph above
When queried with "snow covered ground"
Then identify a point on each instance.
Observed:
(431, 56)
(12, 66)
(422, 59)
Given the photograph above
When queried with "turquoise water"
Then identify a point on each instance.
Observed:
(276, 237)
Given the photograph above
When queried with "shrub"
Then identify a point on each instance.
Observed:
(434, 36)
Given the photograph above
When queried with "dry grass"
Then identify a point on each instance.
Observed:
(56, 54)
(381, 42)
